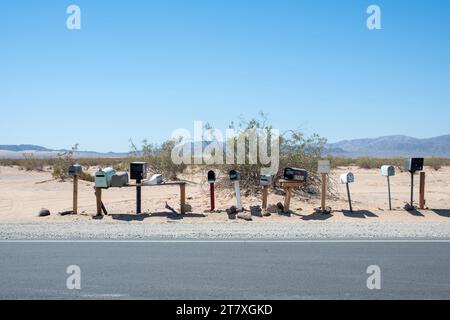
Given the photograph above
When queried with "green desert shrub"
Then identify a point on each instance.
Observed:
(31, 163)
(62, 163)
(295, 150)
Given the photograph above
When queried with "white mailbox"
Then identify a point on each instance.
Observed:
(388, 171)
(153, 180)
(347, 177)
(324, 166)
(265, 180)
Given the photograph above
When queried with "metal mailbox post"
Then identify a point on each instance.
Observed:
(388, 171)
(346, 179)
(212, 181)
(138, 172)
(235, 177)
(413, 165)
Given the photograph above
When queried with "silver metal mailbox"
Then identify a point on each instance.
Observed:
(138, 170)
(75, 170)
(119, 180)
(103, 177)
(387, 171)
(295, 174)
(414, 164)
(265, 180)
(347, 178)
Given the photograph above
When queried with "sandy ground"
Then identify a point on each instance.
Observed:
(23, 194)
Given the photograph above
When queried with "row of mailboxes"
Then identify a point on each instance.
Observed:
(106, 178)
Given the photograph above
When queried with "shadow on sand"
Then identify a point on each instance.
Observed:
(415, 212)
(317, 216)
(442, 212)
(360, 214)
(143, 216)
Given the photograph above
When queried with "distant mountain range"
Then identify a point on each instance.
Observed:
(392, 146)
(388, 146)
(18, 151)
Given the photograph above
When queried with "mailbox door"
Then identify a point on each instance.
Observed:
(350, 178)
(137, 170)
(347, 178)
(391, 171)
(288, 174)
(300, 175)
(265, 180)
(100, 181)
(417, 164)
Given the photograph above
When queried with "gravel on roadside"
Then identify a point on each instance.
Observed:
(97, 230)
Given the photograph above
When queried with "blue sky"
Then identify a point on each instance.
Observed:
(141, 69)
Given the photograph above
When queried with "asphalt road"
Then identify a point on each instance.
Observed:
(224, 270)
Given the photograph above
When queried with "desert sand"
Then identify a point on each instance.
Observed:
(23, 194)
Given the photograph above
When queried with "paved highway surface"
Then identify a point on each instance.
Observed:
(225, 270)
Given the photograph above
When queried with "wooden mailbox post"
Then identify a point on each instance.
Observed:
(265, 181)
(74, 171)
(288, 185)
(324, 168)
(422, 191)
(293, 178)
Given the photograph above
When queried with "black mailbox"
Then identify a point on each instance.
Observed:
(211, 176)
(234, 175)
(138, 170)
(295, 174)
(75, 170)
(414, 164)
